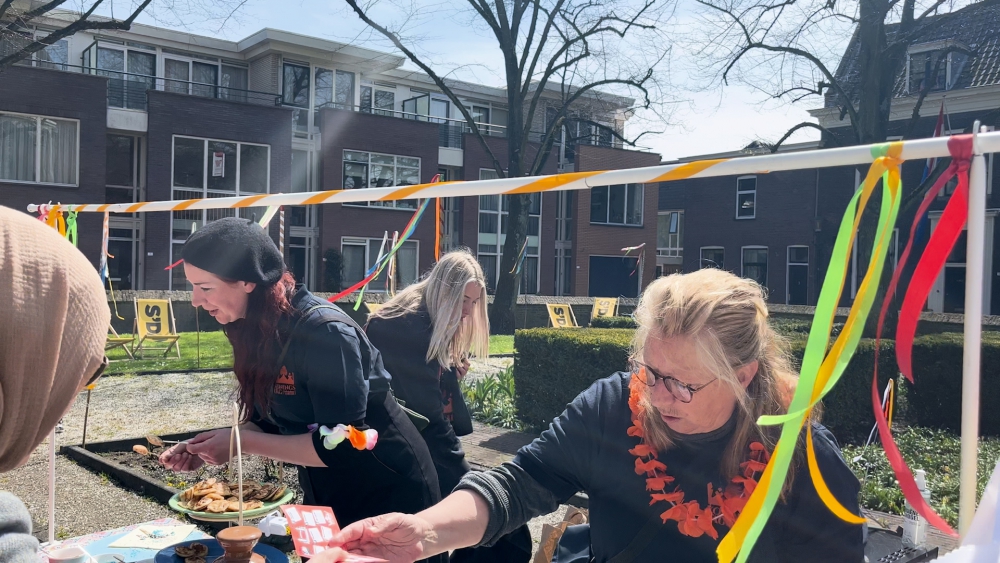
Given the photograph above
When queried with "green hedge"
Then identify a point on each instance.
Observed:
(847, 410)
(612, 322)
(553, 366)
(936, 399)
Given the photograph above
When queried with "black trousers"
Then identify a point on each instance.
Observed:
(396, 476)
(450, 464)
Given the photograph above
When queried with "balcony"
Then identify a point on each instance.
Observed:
(450, 131)
(128, 90)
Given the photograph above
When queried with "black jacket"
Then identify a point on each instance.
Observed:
(426, 388)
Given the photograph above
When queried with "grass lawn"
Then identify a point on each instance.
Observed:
(217, 353)
(501, 344)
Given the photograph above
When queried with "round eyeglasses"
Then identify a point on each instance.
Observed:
(683, 392)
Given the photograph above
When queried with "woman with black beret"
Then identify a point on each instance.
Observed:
(312, 388)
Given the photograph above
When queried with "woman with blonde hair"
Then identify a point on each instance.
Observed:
(425, 334)
(668, 453)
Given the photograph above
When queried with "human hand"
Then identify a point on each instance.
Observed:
(397, 538)
(211, 446)
(331, 555)
(178, 458)
(462, 369)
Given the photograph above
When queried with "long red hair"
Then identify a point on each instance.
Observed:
(257, 343)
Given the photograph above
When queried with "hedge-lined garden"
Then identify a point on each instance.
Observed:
(552, 366)
(555, 365)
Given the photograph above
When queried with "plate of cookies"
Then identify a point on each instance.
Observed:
(214, 499)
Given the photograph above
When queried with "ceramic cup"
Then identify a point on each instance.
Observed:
(69, 555)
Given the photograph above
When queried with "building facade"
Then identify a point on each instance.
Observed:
(779, 228)
(158, 115)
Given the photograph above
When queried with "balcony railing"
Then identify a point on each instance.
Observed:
(128, 90)
(450, 131)
(671, 252)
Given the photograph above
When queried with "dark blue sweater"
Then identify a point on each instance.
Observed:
(586, 449)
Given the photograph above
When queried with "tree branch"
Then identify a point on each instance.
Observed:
(81, 24)
(804, 125)
(433, 75)
(4, 7)
(752, 44)
(26, 17)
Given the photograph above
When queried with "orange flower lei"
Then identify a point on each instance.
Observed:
(692, 519)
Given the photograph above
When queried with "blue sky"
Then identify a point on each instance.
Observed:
(704, 122)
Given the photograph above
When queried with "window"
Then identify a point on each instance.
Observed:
(746, 197)
(344, 94)
(324, 88)
(55, 55)
(295, 90)
(373, 170)
(39, 149)
(670, 234)
(617, 205)
(360, 254)
(493, 217)
(755, 264)
(797, 276)
(713, 257)
(942, 70)
(213, 168)
(614, 276)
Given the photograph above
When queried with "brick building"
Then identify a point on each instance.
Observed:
(158, 114)
(779, 228)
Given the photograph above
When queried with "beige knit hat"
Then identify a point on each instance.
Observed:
(53, 325)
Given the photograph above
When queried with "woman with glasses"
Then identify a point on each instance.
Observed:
(668, 453)
(53, 325)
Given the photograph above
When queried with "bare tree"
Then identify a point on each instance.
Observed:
(560, 57)
(787, 49)
(16, 15)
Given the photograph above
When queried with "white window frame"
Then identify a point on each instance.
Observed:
(395, 165)
(38, 150)
(204, 183)
(204, 179)
(704, 248)
(930, 48)
(358, 241)
(788, 268)
(676, 251)
(740, 192)
(607, 222)
(767, 254)
(501, 236)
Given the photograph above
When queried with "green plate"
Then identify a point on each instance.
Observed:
(227, 516)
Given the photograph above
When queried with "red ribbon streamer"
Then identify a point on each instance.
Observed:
(930, 264)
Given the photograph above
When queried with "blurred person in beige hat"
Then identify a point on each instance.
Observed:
(53, 325)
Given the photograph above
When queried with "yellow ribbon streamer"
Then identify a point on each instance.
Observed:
(745, 531)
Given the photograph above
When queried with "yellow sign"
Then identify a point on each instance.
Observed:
(604, 307)
(152, 317)
(561, 315)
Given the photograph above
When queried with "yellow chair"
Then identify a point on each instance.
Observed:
(561, 315)
(155, 323)
(116, 341)
(373, 307)
(604, 307)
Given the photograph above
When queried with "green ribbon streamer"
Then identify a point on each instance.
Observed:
(816, 346)
(71, 227)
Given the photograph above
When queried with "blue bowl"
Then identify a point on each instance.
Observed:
(168, 555)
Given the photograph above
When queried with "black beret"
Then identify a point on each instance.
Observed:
(235, 249)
